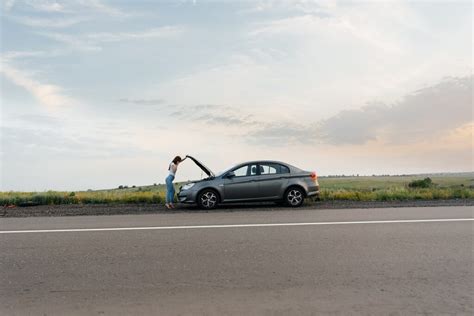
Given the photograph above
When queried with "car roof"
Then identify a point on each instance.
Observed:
(263, 161)
(291, 167)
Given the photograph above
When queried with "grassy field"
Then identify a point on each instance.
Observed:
(395, 188)
(375, 188)
(391, 182)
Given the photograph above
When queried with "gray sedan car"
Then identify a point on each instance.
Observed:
(263, 180)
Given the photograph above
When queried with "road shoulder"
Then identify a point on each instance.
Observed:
(132, 209)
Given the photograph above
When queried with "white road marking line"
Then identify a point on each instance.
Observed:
(70, 230)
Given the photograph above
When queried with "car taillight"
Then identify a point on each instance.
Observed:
(314, 176)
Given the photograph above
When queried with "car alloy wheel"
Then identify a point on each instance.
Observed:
(208, 199)
(294, 197)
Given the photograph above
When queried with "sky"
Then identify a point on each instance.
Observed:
(101, 93)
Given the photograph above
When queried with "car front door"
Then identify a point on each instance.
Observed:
(242, 185)
(272, 180)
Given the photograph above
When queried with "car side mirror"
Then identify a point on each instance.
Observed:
(230, 175)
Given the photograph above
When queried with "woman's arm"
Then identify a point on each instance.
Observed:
(174, 168)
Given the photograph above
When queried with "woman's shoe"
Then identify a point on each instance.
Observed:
(168, 206)
(172, 205)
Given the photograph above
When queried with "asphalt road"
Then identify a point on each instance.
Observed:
(219, 264)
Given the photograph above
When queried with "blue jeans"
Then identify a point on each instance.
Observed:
(169, 189)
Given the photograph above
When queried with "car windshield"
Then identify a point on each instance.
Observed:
(220, 173)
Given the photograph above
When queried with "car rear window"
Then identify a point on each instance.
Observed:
(284, 169)
(273, 168)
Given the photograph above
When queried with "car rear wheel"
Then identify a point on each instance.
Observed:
(208, 199)
(294, 197)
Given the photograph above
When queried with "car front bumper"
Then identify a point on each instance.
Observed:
(187, 196)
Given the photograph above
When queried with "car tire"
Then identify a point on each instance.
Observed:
(294, 197)
(208, 199)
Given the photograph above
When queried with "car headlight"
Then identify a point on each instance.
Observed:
(187, 186)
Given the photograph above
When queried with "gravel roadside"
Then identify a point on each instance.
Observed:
(122, 209)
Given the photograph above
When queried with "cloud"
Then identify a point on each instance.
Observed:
(213, 114)
(164, 31)
(65, 136)
(240, 80)
(101, 7)
(8, 5)
(313, 25)
(93, 41)
(375, 24)
(354, 126)
(280, 134)
(287, 7)
(48, 95)
(70, 7)
(27, 56)
(48, 22)
(146, 102)
(424, 115)
(39, 120)
(223, 119)
(29, 142)
(74, 42)
(191, 111)
(142, 101)
(10, 55)
(47, 6)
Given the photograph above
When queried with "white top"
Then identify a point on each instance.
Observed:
(173, 167)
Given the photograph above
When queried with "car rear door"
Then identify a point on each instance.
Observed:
(242, 186)
(272, 180)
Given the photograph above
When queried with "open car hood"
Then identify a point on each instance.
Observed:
(200, 165)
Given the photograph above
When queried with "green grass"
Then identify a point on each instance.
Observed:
(396, 194)
(393, 188)
(390, 182)
(88, 197)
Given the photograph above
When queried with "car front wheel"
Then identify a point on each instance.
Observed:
(208, 199)
(294, 197)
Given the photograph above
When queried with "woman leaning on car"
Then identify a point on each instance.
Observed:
(172, 168)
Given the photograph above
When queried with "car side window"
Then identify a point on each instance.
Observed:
(245, 171)
(273, 168)
(242, 171)
(269, 169)
(253, 170)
